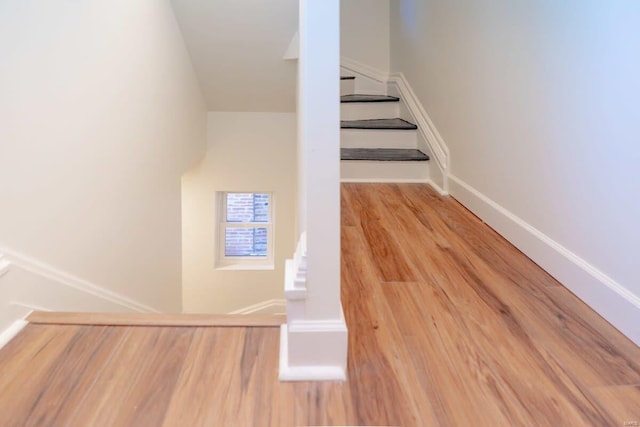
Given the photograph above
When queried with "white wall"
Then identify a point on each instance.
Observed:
(247, 152)
(100, 114)
(364, 28)
(538, 102)
(237, 48)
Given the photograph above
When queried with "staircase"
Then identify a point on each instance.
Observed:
(377, 145)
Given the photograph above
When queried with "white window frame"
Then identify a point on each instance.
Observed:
(225, 262)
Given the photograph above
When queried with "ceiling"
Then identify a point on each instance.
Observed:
(237, 49)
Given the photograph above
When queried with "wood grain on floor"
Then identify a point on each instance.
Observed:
(449, 325)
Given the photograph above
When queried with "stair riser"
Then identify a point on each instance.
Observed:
(347, 87)
(359, 170)
(357, 138)
(369, 110)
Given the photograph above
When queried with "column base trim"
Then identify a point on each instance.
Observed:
(333, 371)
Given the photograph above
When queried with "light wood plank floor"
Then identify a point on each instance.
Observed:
(449, 326)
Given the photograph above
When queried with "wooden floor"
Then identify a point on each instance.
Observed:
(449, 325)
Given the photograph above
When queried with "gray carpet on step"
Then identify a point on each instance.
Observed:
(383, 154)
(368, 98)
(396, 123)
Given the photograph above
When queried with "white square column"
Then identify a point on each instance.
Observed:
(314, 341)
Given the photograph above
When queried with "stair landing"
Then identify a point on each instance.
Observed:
(156, 319)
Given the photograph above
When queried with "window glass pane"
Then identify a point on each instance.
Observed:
(247, 207)
(245, 242)
(261, 207)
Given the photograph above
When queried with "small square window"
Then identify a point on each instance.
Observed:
(245, 233)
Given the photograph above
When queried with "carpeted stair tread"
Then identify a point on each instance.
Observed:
(396, 123)
(347, 77)
(383, 154)
(368, 98)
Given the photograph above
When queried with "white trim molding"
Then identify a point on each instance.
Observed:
(436, 145)
(13, 330)
(368, 79)
(313, 351)
(310, 350)
(37, 271)
(294, 47)
(610, 299)
(27, 308)
(4, 265)
(386, 180)
(271, 306)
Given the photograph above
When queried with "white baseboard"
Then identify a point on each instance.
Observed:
(438, 179)
(399, 86)
(272, 306)
(386, 180)
(610, 299)
(28, 308)
(438, 188)
(293, 51)
(9, 333)
(10, 314)
(376, 171)
(395, 181)
(325, 350)
(30, 282)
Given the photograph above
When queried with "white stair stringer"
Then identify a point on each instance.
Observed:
(11, 331)
(368, 79)
(429, 139)
(383, 171)
(378, 138)
(31, 283)
(369, 110)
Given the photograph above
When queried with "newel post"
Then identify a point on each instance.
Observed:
(314, 341)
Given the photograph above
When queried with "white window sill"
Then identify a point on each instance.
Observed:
(244, 266)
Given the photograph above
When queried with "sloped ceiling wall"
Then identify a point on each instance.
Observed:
(237, 49)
